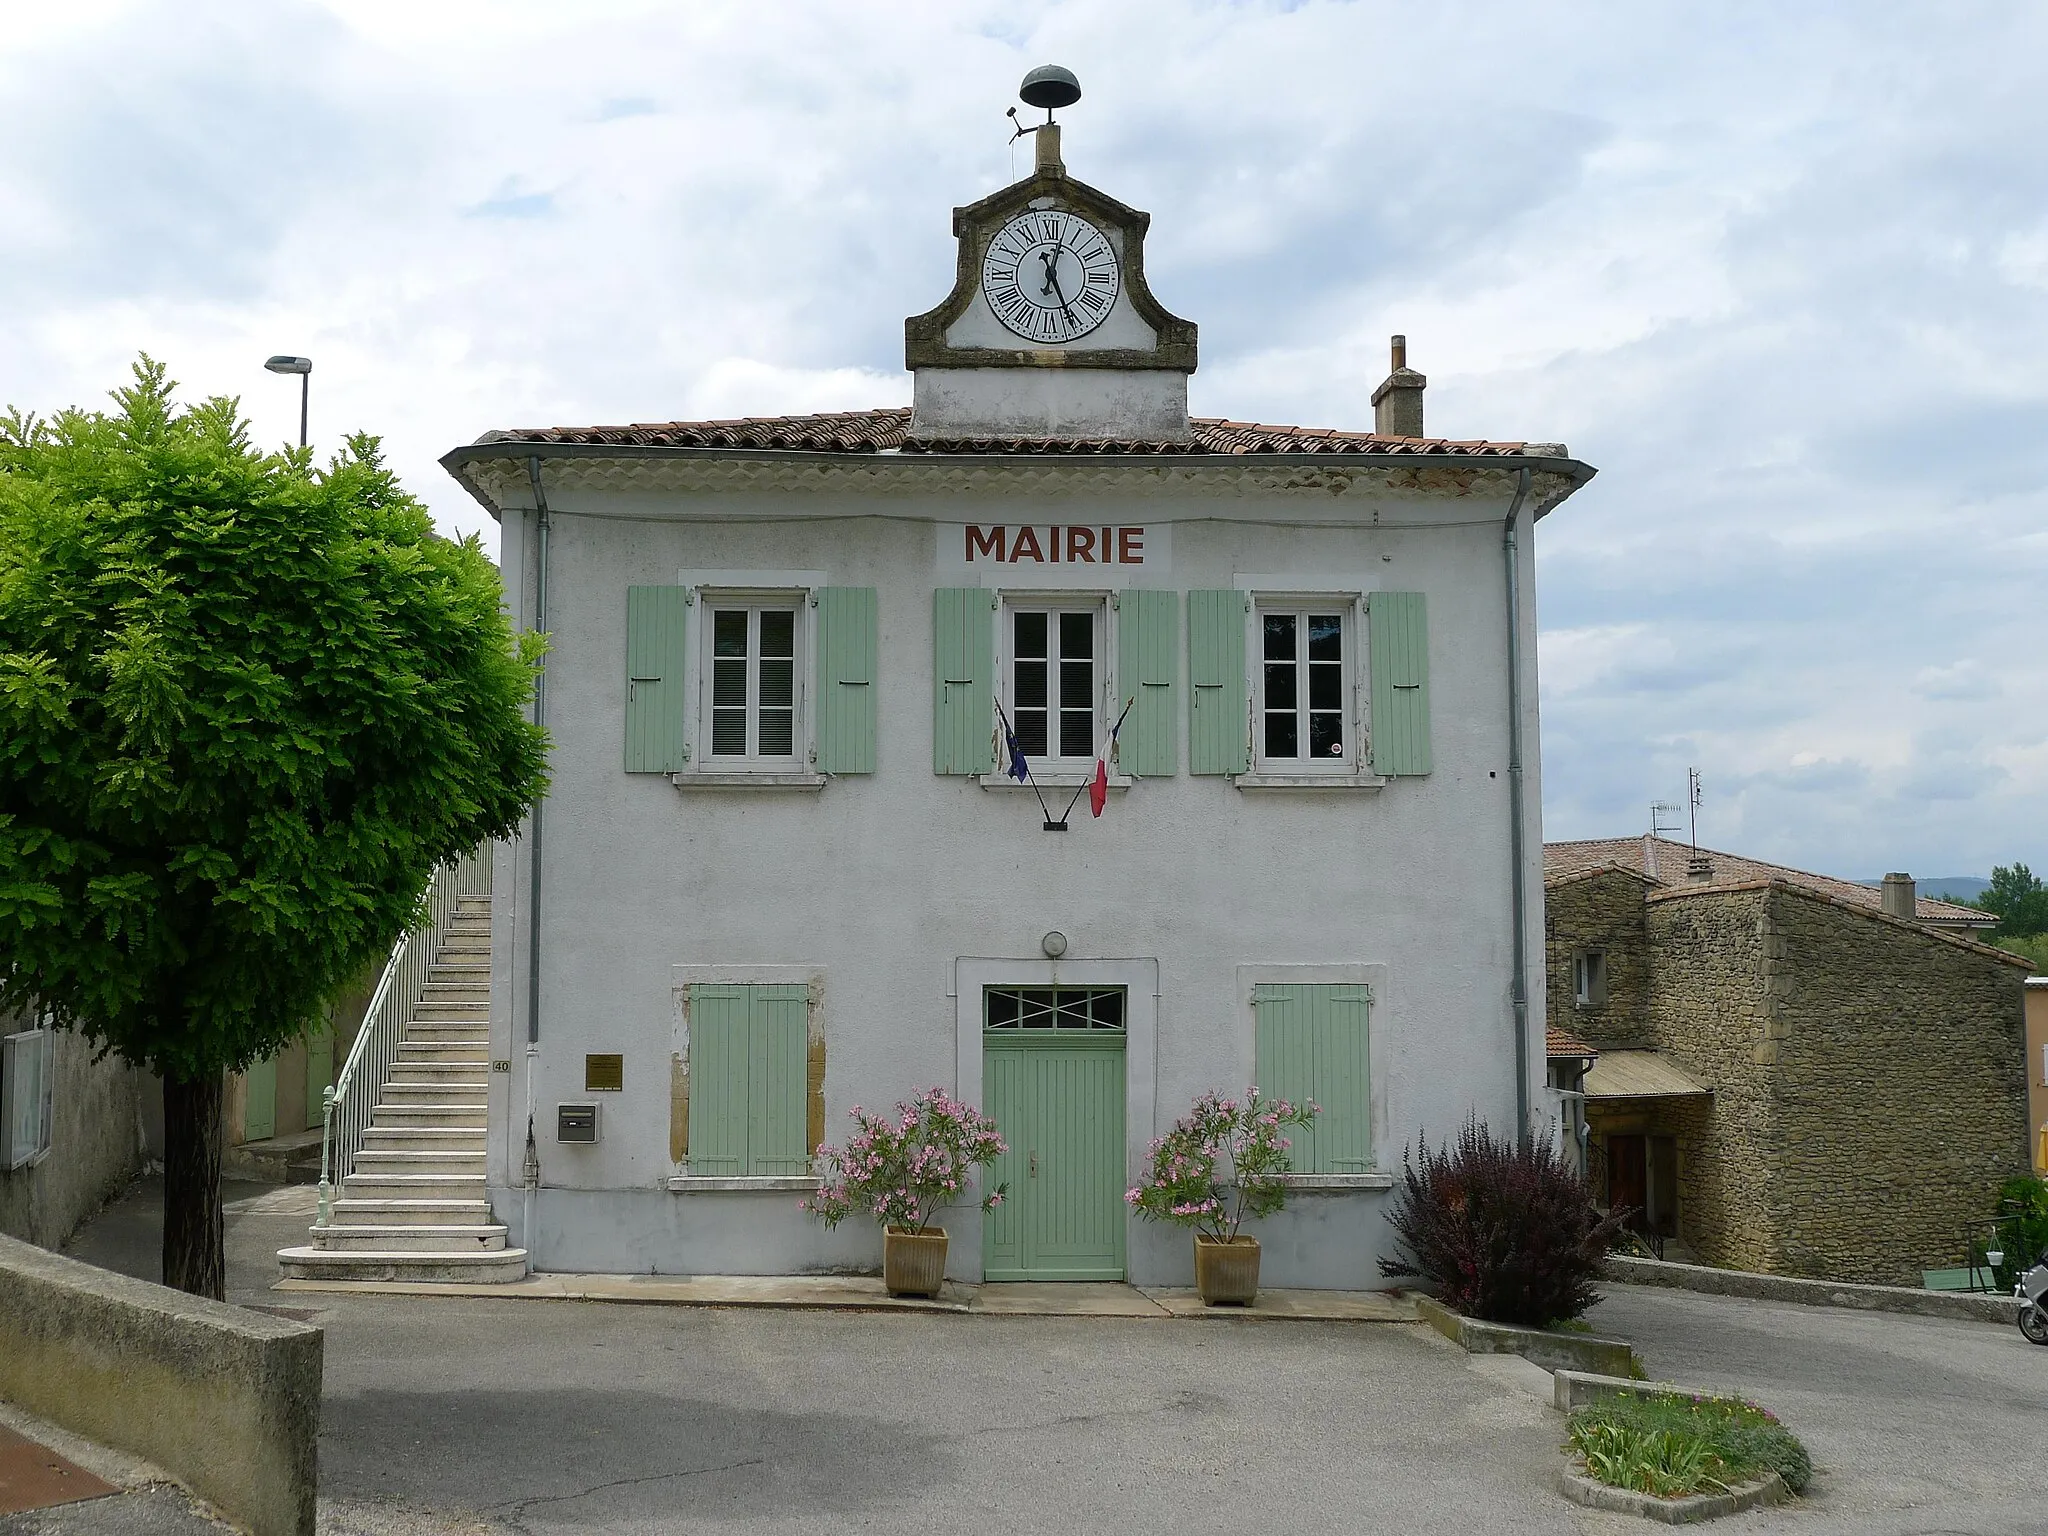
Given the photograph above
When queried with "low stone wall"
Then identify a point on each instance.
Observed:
(224, 1398)
(1814, 1293)
(1553, 1351)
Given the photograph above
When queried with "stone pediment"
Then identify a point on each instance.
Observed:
(963, 332)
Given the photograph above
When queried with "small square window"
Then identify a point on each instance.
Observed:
(1302, 710)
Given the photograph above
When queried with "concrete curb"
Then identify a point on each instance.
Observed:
(1575, 1389)
(226, 1399)
(1581, 1489)
(1583, 1352)
(1814, 1293)
(865, 1293)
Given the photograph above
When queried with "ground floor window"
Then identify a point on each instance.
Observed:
(1311, 1045)
(749, 1066)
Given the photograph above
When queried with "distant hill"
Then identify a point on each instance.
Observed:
(1944, 887)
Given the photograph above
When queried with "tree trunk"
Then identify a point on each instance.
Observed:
(195, 1257)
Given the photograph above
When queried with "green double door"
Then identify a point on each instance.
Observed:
(1058, 1099)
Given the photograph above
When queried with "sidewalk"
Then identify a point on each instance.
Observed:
(53, 1483)
(865, 1293)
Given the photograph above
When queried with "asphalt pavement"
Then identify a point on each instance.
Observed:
(487, 1416)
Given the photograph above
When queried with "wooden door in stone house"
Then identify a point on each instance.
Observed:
(1628, 1183)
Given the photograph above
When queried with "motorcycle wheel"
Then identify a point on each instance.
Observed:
(2034, 1324)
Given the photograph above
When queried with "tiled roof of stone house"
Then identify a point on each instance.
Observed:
(887, 430)
(1860, 909)
(1664, 861)
(1557, 1043)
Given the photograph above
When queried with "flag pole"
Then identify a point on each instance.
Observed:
(1106, 740)
(1009, 736)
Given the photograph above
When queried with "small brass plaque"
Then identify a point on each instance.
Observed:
(604, 1074)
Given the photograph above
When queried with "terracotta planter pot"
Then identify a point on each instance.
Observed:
(1227, 1270)
(913, 1263)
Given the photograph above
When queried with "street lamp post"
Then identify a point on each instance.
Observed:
(303, 367)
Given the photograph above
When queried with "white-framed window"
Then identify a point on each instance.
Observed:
(751, 689)
(1589, 978)
(28, 1081)
(1055, 675)
(1305, 684)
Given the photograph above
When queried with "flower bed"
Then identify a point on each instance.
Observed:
(1672, 1446)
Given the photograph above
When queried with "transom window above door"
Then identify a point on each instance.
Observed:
(1305, 665)
(752, 700)
(1061, 1008)
(1055, 676)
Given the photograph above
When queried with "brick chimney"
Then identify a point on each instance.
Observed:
(1699, 869)
(1397, 403)
(1901, 897)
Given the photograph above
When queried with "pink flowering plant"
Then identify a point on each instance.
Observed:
(1221, 1163)
(901, 1169)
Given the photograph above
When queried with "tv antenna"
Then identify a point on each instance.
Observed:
(1047, 86)
(1692, 795)
(1663, 817)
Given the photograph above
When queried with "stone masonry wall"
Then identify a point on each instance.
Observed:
(1603, 912)
(1901, 1091)
(1707, 1012)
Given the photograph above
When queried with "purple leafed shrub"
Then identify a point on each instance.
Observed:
(1504, 1232)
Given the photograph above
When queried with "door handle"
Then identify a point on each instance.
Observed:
(1034, 1164)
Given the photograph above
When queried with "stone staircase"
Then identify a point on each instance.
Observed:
(414, 1208)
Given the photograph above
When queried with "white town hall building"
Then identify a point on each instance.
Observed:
(780, 872)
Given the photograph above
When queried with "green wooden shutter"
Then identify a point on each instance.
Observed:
(849, 641)
(1216, 717)
(749, 1060)
(718, 1080)
(1148, 662)
(778, 1030)
(655, 619)
(963, 680)
(1399, 636)
(259, 1101)
(1312, 1044)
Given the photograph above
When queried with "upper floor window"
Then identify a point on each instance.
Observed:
(1589, 978)
(752, 701)
(1301, 713)
(1055, 677)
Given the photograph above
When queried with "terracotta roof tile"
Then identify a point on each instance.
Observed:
(1557, 1042)
(1566, 860)
(888, 429)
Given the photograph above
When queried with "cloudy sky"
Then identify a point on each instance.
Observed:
(1784, 281)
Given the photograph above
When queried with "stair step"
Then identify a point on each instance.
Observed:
(447, 1032)
(413, 1186)
(396, 1117)
(451, 1013)
(427, 1054)
(461, 970)
(404, 1212)
(455, 992)
(425, 1138)
(409, 1238)
(391, 1160)
(442, 1071)
(498, 1267)
(440, 1091)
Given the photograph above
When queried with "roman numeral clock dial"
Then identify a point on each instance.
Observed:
(1049, 276)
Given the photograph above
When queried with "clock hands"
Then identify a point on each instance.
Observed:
(1051, 261)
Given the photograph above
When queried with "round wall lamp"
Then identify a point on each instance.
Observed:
(1054, 944)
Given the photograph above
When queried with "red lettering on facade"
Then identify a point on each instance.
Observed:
(1026, 537)
(990, 543)
(1081, 544)
(1130, 546)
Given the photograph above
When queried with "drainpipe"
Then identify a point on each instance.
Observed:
(530, 1164)
(1518, 884)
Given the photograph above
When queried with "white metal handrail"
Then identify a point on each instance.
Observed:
(359, 1085)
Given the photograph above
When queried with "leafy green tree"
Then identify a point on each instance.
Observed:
(2019, 899)
(246, 706)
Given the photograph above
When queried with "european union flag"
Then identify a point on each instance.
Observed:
(1018, 770)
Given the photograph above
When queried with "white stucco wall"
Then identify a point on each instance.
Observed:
(886, 882)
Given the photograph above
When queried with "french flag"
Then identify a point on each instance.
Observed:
(1098, 785)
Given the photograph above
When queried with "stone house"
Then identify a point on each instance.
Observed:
(73, 1129)
(2037, 1069)
(1791, 1077)
(784, 871)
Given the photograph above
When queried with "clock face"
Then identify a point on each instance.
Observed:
(1049, 276)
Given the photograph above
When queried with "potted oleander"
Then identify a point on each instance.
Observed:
(1222, 1163)
(902, 1169)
